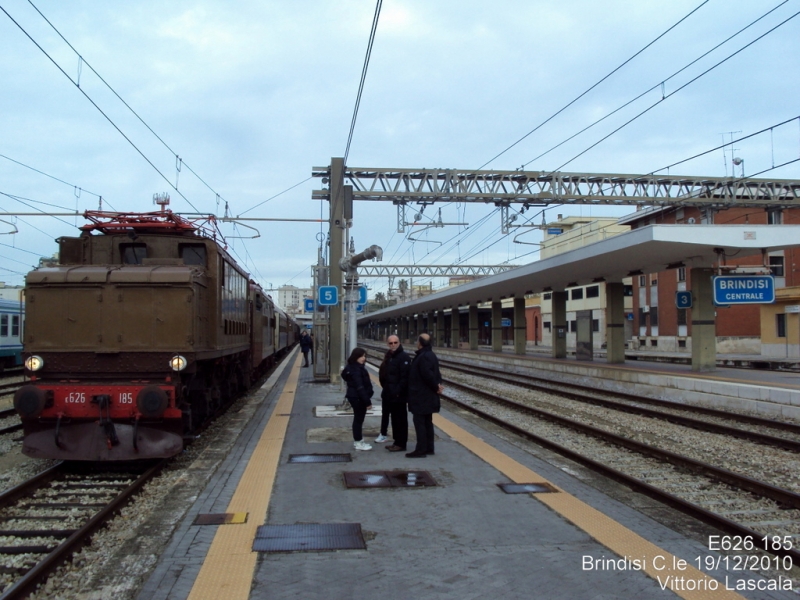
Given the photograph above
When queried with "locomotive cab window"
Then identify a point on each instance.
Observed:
(133, 254)
(193, 254)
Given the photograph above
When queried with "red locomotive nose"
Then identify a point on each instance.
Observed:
(30, 401)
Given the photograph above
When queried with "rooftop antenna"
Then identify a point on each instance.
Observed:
(162, 200)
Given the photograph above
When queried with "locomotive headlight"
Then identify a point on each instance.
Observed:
(34, 363)
(177, 363)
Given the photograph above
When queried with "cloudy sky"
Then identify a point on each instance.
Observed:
(251, 95)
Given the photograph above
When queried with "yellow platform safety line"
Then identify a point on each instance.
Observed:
(611, 534)
(228, 568)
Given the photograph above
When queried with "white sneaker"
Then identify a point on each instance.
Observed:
(380, 439)
(361, 445)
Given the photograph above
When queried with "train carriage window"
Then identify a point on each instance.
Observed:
(15, 325)
(133, 254)
(4, 325)
(193, 254)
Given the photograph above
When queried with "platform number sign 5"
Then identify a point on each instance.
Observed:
(328, 295)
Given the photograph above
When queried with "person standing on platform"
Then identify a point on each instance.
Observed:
(424, 387)
(359, 393)
(393, 376)
(305, 346)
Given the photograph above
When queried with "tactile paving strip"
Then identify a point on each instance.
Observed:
(527, 488)
(401, 479)
(309, 537)
(319, 458)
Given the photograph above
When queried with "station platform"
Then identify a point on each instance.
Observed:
(460, 538)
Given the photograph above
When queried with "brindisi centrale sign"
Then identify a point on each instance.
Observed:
(744, 289)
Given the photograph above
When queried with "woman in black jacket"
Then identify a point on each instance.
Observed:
(359, 393)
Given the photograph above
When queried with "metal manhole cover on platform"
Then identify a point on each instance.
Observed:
(319, 458)
(221, 519)
(401, 479)
(309, 537)
(527, 488)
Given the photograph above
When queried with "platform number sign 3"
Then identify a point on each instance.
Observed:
(683, 299)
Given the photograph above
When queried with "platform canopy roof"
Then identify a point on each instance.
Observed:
(639, 251)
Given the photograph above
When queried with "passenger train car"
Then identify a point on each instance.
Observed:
(145, 328)
(12, 316)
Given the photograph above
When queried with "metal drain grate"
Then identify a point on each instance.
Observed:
(309, 537)
(527, 488)
(221, 519)
(319, 458)
(401, 479)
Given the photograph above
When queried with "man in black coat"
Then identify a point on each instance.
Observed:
(393, 376)
(305, 345)
(424, 387)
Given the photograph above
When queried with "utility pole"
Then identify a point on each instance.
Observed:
(341, 212)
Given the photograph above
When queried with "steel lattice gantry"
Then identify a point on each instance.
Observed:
(542, 188)
(369, 270)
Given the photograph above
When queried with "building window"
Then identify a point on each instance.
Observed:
(642, 280)
(595, 325)
(654, 342)
(573, 326)
(628, 291)
(780, 325)
(681, 273)
(653, 316)
(546, 325)
(681, 343)
(774, 216)
(654, 281)
(681, 316)
(547, 296)
(776, 265)
(577, 294)
(593, 291)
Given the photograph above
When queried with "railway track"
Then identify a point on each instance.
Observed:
(46, 519)
(732, 502)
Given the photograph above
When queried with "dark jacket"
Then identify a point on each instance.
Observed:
(394, 375)
(359, 386)
(305, 343)
(423, 383)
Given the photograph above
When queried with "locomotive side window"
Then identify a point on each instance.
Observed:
(4, 325)
(193, 254)
(133, 254)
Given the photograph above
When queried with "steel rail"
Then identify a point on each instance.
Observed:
(676, 502)
(749, 419)
(637, 410)
(39, 573)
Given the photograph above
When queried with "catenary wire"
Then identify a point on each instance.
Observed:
(113, 91)
(565, 107)
(676, 73)
(363, 76)
(113, 124)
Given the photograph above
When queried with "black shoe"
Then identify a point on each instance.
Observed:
(431, 452)
(394, 448)
(416, 454)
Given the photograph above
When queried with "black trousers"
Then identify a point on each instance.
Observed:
(423, 426)
(359, 412)
(397, 413)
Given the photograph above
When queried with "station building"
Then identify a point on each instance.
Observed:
(766, 329)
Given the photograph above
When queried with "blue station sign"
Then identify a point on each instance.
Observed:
(744, 289)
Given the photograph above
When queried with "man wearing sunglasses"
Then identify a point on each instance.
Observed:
(393, 375)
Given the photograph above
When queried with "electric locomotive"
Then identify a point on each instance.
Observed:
(145, 329)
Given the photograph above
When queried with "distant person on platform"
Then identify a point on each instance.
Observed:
(305, 345)
(424, 387)
(359, 393)
(393, 376)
